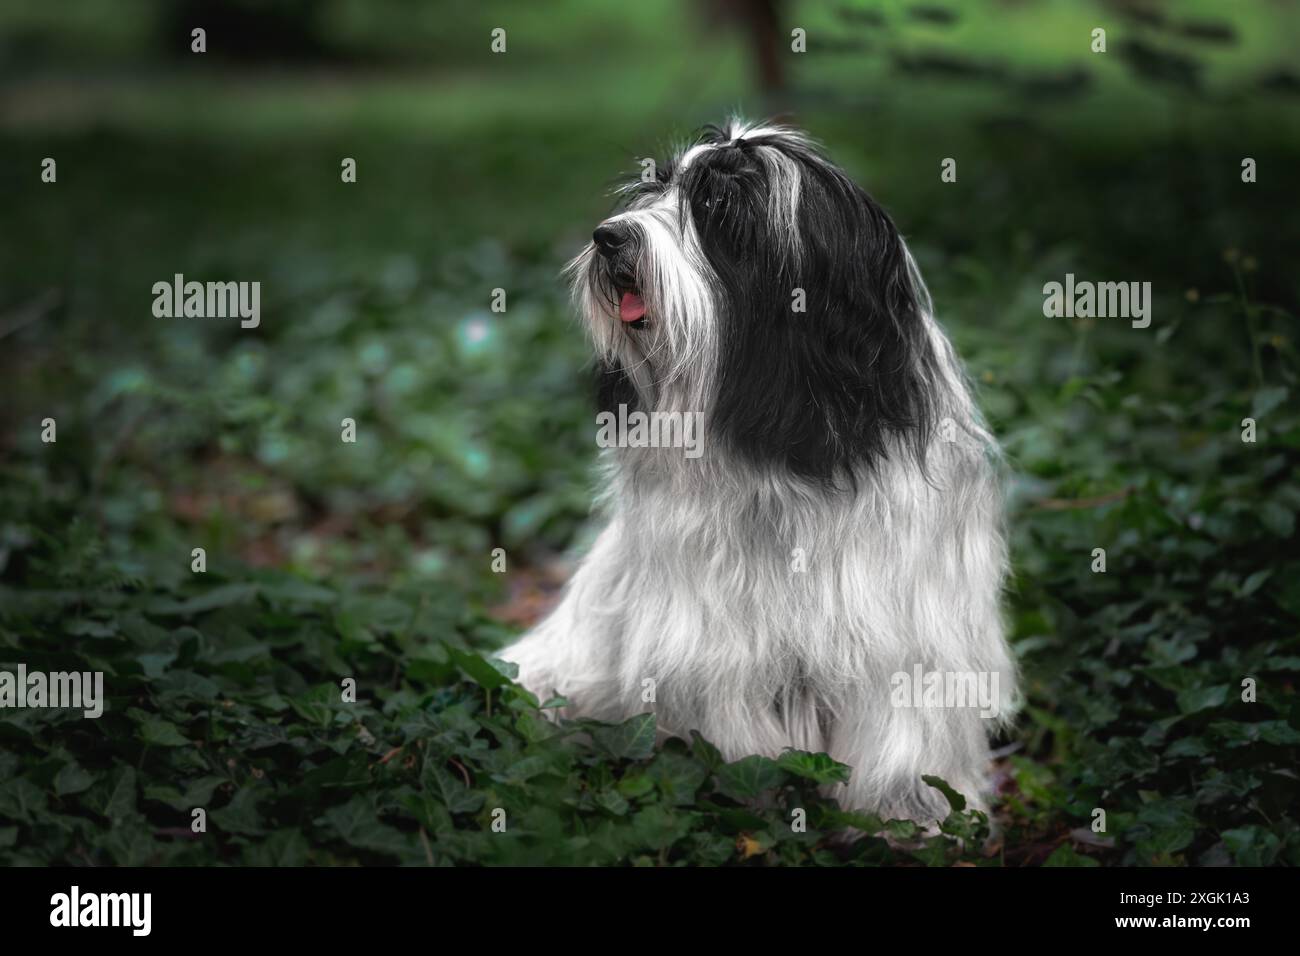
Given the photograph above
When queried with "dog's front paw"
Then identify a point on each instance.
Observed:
(535, 675)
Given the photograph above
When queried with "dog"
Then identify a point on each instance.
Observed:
(829, 568)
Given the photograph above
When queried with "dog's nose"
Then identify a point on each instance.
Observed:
(609, 237)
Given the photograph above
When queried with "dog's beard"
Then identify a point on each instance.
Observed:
(670, 352)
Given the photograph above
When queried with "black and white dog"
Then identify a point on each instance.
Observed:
(826, 574)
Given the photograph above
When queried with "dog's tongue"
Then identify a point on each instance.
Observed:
(631, 308)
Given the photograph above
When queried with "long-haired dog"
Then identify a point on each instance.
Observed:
(825, 574)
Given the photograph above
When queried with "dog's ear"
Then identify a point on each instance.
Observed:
(825, 360)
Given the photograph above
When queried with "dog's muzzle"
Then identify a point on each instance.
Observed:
(616, 243)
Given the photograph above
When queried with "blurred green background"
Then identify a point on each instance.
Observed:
(479, 170)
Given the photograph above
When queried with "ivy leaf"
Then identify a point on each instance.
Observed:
(227, 595)
(612, 801)
(659, 828)
(705, 752)
(1164, 827)
(1254, 582)
(818, 767)
(748, 777)
(158, 732)
(1196, 699)
(20, 799)
(357, 824)
(281, 848)
(115, 798)
(631, 740)
(1067, 855)
(955, 799)
(1277, 518)
(71, 779)
(1267, 399)
(240, 815)
(636, 785)
(487, 673)
(678, 777)
(1252, 845)
(454, 794)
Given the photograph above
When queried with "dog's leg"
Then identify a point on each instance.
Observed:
(891, 748)
(574, 650)
(949, 570)
(893, 733)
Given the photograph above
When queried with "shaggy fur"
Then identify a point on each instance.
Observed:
(844, 522)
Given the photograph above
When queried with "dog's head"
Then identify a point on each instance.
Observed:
(752, 281)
